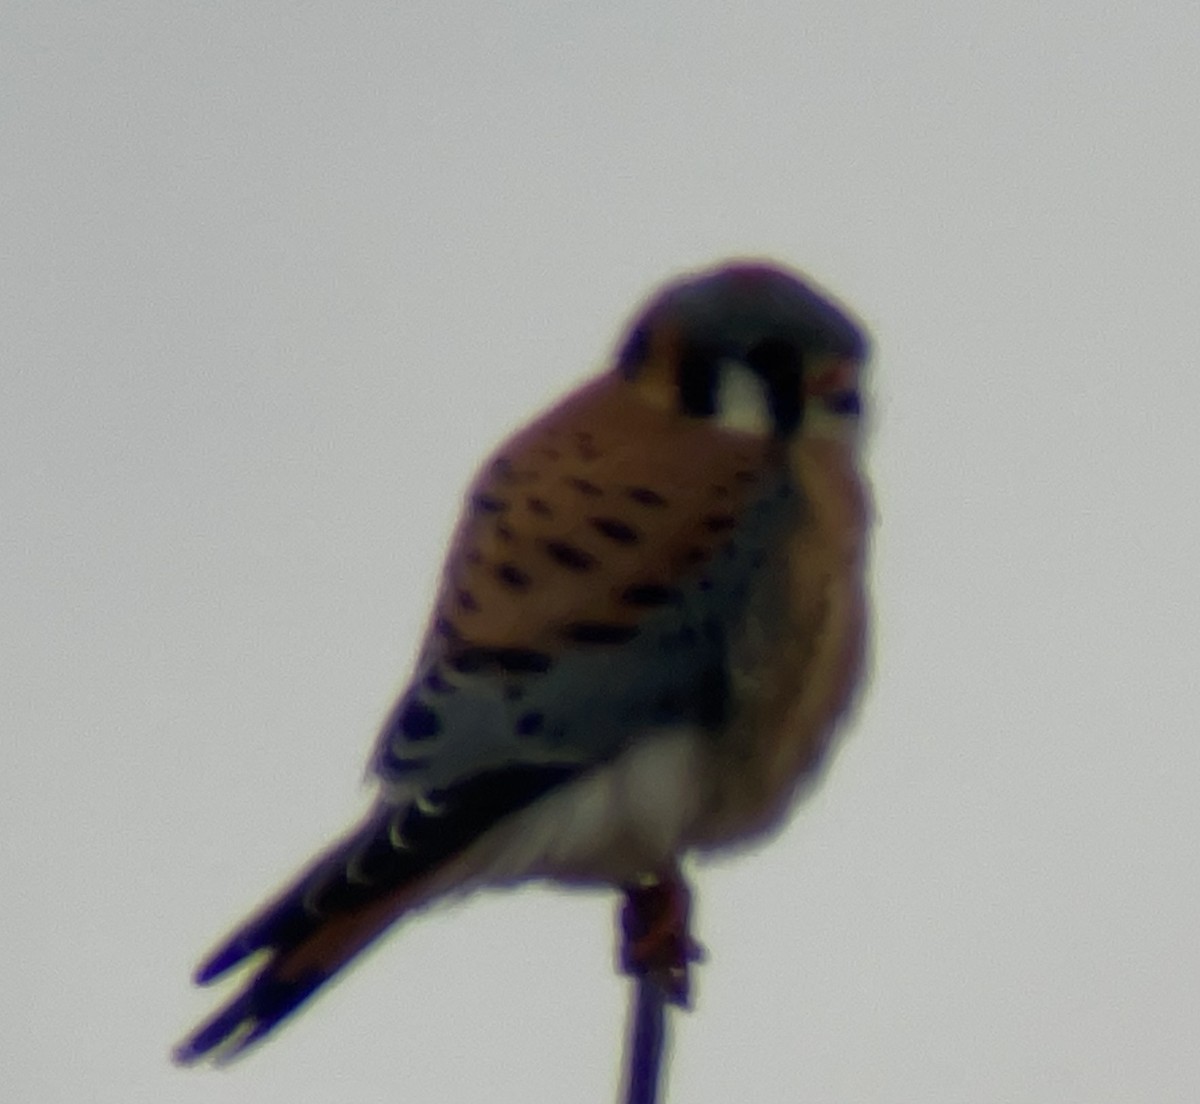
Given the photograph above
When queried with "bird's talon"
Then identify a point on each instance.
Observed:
(657, 944)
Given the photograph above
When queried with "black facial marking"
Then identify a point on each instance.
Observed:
(516, 661)
(419, 722)
(569, 556)
(646, 497)
(649, 595)
(778, 363)
(698, 384)
(512, 576)
(615, 530)
(599, 632)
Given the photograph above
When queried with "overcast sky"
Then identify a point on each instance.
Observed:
(276, 276)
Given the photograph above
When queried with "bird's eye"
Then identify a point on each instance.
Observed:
(847, 403)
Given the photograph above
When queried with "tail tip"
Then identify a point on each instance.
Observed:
(240, 1024)
(226, 957)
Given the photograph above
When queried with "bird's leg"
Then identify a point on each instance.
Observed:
(656, 941)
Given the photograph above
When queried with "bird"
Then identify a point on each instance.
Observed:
(651, 623)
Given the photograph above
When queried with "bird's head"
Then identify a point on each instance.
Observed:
(753, 347)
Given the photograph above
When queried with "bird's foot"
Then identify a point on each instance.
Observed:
(657, 943)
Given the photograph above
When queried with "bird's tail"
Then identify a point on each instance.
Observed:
(310, 931)
(347, 898)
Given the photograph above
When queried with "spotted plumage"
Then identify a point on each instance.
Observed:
(651, 617)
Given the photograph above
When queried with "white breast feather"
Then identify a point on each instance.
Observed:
(622, 820)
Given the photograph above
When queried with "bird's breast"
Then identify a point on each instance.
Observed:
(797, 655)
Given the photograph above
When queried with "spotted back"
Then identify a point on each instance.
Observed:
(589, 591)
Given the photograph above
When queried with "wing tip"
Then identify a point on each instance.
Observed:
(284, 924)
(266, 1003)
(220, 962)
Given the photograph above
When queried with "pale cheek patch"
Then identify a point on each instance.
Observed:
(741, 401)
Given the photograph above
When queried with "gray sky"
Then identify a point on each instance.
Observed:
(276, 276)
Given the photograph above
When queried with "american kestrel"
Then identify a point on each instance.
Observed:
(651, 619)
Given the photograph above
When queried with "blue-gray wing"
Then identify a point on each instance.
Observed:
(478, 707)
